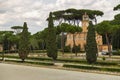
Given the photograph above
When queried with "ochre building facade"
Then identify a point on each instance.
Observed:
(80, 38)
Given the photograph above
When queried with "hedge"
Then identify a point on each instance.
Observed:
(38, 51)
(105, 63)
(30, 62)
(116, 53)
(92, 68)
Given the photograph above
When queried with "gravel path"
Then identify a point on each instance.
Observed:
(19, 72)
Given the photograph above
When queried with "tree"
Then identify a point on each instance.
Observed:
(117, 7)
(7, 40)
(106, 29)
(74, 30)
(116, 39)
(74, 16)
(51, 39)
(91, 45)
(62, 29)
(24, 43)
(116, 36)
(17, 29)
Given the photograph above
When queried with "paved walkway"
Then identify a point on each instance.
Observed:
(19, 72)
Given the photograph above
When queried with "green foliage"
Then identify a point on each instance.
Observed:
(17, 29)
(92, 67)
(24, 43)
(91, 45)
(67, 49)
(8, 39)
(76, 14)
(116, 40)
(59, 41)
(103, 27)
(103, 58)
(34, 43)
(35, 63)
(117, 7)
(51, 39)
(76, 49)
(105, 63)
(41, 38)
(116, 53)
(116, 36)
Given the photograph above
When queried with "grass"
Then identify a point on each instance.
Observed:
(32, 62)
(71, 63)
(63, 60)
(92, 67)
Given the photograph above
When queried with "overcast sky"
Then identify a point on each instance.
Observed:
(35, 12)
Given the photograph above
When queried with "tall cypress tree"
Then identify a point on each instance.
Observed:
(116, 40)
(51, 39)
(91, 45)
(24, 43)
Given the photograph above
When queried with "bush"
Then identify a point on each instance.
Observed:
(103, 58)
(81, 67)
(116, 53)
(30, 62)
(92, 68)
(76, 49)
(105, 63)
(38, 51)
(10, 51)
(41, 63)
(67, 49)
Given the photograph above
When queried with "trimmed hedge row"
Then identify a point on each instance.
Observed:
(37, 63)
(38, 51)
(32, 58)
(85, 62)
(31, 51)
(116, 53)
(70, 60)
(92, 68)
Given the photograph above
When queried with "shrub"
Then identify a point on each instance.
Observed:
(30, 62)
(67, 49)
(116, 53)
(105, 63)
(92, 67)
(76, 49)
(103, 58)
(81, 67)
(38, 51)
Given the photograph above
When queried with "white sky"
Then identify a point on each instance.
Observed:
(35, 12)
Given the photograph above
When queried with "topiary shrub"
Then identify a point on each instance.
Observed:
(67, 49)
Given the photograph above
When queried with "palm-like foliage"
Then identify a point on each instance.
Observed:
(75, 15)
(117, 7)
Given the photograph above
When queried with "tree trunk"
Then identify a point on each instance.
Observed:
(96, 24)
(43, 47)
(60, 21)
(95, 20)
(108, 43)
(3, 56)
(62, 43)
(74, 21)
(74, 45)
(23, 60)
(78, 22)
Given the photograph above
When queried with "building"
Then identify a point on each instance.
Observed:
(80, 38)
